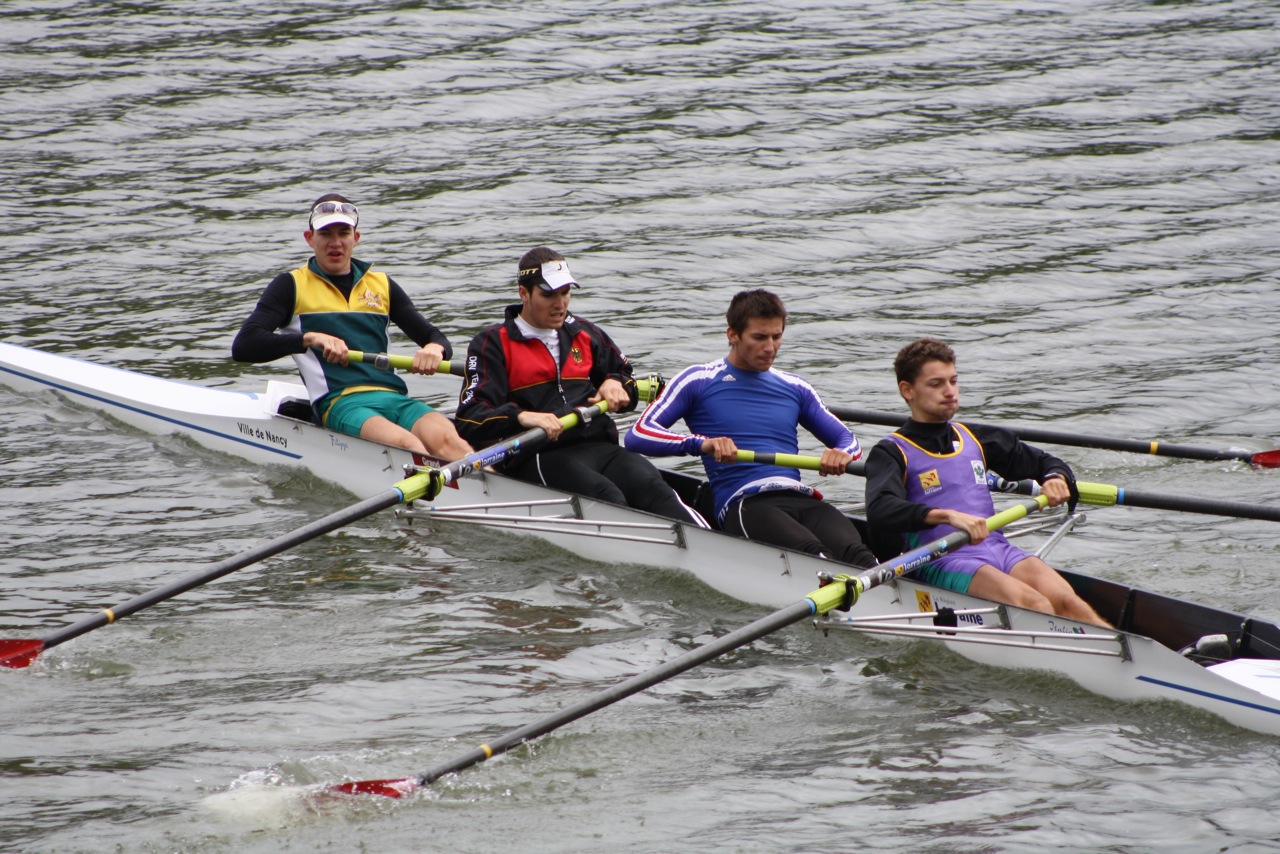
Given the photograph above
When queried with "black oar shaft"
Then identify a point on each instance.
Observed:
(842, 590)
(423, 485)
(1054, 437)
(691, 659)
(318, 528)
(1105, 495)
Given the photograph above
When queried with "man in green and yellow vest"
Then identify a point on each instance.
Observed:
(335, 303)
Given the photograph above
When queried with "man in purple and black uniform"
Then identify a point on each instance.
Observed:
(540, 363)
(742, 400)
(334, 303)
(929, 478)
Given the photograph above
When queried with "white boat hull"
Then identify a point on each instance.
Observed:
(1122, 665)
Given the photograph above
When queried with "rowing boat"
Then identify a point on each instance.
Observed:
(1163, 649)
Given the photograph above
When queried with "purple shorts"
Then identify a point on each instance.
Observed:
(955, 571)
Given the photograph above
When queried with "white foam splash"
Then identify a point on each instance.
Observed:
(262, 806)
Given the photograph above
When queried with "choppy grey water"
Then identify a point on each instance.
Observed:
(1082, 197)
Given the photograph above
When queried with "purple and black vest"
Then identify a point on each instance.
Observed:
(954, 481)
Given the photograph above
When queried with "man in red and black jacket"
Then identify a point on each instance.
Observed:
(540, 363)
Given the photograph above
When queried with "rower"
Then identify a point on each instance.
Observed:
(929, 478)
(541, 363)
(336, 302)
(742, 400)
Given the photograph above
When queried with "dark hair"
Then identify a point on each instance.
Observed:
(911, 358)
(757, 303)
(529, 271)
(330, 197)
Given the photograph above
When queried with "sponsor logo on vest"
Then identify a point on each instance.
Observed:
(930, 481)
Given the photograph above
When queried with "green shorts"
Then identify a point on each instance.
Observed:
(349, 412)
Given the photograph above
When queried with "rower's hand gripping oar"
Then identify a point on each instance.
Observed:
(1262, 459)
(423, 485)
(841, 592)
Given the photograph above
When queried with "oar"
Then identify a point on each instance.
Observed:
(1262, 459)
(425, 484)
(1099, 494)
(386, 362)
(841, 593)
(796, 461)
(1106, 495)
(859, 467)
(648, 387)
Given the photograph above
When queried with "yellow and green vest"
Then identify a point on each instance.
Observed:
(363, 321)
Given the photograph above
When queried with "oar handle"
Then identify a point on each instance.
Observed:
(388, 362)
(859, 467)
(796, 461)
(648, 387)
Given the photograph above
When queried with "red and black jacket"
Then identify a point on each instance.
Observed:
(507, 374)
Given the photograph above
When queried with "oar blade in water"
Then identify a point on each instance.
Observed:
(19, 653)
(386, 788)
(1267, 459)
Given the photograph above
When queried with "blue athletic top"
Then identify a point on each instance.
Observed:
(758, 410)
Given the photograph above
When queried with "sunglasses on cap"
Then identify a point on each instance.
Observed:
(333, 211)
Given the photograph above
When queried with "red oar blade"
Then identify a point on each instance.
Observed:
(1266, 459)
(386, 788)
(19, 653)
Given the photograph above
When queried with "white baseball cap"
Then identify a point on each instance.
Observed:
(551, 276)
(331, 212)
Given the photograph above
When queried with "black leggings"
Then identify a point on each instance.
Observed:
(797, 521)
(606, 472)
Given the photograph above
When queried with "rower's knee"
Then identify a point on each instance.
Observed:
(1033, 600)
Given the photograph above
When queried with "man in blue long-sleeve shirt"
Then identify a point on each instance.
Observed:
(742, 400)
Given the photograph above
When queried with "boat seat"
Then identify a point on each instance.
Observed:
(298, 410)
(1210, 649)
